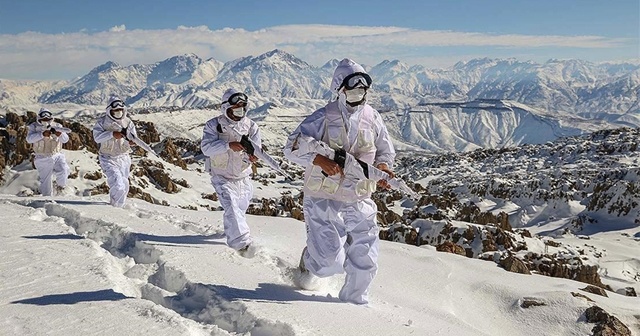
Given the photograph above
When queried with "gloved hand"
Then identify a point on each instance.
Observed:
(340, 157)
(123, 131)
(248, 146)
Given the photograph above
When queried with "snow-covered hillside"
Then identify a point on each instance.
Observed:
(565, 211)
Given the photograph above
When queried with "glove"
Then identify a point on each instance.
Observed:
(123, 131)
(340, 157)
(248, 146)
(53, 130)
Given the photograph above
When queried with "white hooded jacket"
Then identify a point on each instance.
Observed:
(218, 133)
(360, 131)
(46, 146)
(103, 133)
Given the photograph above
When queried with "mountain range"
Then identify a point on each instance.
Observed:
(482, 103)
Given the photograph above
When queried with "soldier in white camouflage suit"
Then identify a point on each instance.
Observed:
(110, 132)
(342, 233)
(230, 166)
(47, 145)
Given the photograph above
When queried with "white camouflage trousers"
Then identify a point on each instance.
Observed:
(117, 170)
(234, 196)
(48, 166)
(343, 237)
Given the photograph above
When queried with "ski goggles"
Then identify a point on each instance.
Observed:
(45, 115)
(237, 98)
(356, 79)
(116, 104)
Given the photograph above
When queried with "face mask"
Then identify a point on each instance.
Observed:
(238, 112)
(45, 123)
(117, 114)
(355, 95)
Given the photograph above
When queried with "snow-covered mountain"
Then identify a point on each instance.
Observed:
(478, 103)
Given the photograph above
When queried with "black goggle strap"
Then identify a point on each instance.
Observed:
(45, 115)
(356, 79)
(116, 104)
(237, 98)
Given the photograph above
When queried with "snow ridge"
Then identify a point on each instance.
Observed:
(165, 285)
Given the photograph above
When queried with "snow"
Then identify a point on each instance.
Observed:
(75, 265)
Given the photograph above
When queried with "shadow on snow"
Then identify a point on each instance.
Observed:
(73, 298)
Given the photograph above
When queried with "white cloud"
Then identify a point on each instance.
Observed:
(37, 55)
(118, 28)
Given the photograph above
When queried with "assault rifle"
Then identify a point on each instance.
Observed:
(354, 169)
(132, 137)
(253, 149)
(52, 129)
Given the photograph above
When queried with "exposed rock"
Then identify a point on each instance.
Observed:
(81, 137)
(212, 197)
(630, 291)
(606, 324)
(513, 264)
(595, 290)
(74, 173)
(266, 208)
(94, 176)
(450, 247)
(559, 266)
(102, 188)
(531, 302)
(155, 172)
(171, 154)
(136, 192)
(147, 131)
(293, 205)
(582, 296)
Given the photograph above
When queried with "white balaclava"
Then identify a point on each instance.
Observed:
(239, 112)
(45, 117)
(345, 68)
(116, 112)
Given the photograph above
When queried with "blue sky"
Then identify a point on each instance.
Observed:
(75, 36)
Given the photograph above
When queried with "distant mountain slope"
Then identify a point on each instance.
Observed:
(487, 103)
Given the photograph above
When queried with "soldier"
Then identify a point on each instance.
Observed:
(47, 138)
(230, 166)
(342, 233)
(112, 132)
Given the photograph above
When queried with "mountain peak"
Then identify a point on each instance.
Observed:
(104, 67)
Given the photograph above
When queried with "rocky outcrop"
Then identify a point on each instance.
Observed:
(81, 137)
(513, 264)
(564, 266)
(154, 171)
(595, 290)
(450, 247)
(94, 176)
(606, 324)
(171, 153)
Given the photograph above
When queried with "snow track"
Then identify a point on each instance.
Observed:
(161, 283)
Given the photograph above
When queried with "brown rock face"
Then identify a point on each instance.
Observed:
(513, 264)
(94, 176)
(172, 154)
(606, 324)
(155, 172)
(80, 138)
(450, 247)
(147, 131)
(595, 290)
